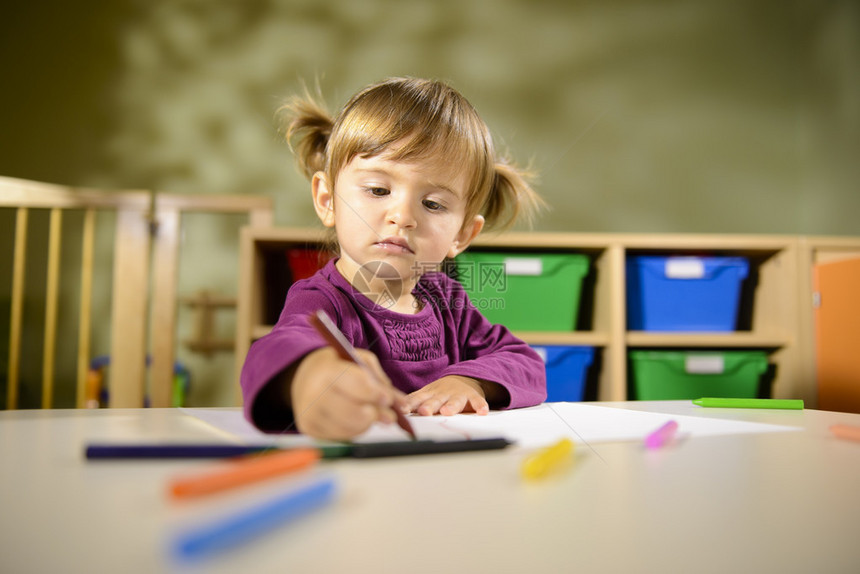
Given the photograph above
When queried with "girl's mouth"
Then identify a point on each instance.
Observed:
(394, 245)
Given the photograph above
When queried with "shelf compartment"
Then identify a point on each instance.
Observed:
(699, 340)
(591, 339)
(584, 338)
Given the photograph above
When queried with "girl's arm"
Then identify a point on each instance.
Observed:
(272, 361)
(292, 380)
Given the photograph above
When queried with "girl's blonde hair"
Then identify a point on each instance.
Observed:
(425, 117)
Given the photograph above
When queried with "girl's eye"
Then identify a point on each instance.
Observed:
(433, 205)
(378, 191)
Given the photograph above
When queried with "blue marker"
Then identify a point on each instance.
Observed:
(242, 527)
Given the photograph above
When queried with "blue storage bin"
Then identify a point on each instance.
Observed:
(684, 293)
(566, 368)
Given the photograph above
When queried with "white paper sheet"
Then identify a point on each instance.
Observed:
(530, 427)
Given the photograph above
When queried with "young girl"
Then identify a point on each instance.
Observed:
(407, 176)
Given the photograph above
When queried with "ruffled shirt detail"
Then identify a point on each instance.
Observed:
(414, 341)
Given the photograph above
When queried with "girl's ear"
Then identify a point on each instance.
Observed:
(467, 234)
(323, 196)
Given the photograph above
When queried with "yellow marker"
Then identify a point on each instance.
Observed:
(544, 461)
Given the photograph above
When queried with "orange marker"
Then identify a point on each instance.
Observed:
(846, 431)
(244, 471)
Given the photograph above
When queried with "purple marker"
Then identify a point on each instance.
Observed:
(662, 436)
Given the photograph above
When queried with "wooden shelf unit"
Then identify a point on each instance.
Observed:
(780, 320)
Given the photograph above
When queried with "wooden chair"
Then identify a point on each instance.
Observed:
(143, 292)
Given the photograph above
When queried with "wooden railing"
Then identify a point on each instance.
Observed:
(146, 252)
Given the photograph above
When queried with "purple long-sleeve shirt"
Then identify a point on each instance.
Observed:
(448, 336)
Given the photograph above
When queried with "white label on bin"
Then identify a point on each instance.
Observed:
(704, 364)
(541, 351)
(523, 266)
(685, 268)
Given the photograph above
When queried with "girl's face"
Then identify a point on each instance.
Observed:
(402, 218)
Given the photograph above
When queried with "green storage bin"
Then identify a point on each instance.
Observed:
(525, 292)
(664, 375)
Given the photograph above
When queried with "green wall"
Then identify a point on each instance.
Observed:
(648, 116)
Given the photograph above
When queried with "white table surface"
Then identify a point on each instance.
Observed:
(772, 502)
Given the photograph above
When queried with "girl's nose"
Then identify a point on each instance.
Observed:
(402, 214)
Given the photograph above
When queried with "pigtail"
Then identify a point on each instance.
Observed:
(310, 126)
(511, 198)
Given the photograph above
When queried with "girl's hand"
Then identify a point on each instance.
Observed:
(450, 395)
(337, 400)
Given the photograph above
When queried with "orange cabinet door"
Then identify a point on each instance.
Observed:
(837, 335)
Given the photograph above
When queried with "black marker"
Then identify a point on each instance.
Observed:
(404, 448)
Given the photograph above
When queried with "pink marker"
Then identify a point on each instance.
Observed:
(662, 436)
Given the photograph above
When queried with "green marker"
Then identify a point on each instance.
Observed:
(726, 403)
